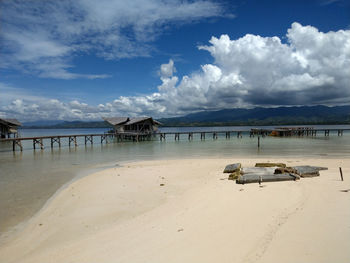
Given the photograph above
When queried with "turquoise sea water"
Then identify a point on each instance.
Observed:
(29, 178)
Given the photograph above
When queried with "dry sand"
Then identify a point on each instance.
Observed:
(186, 211)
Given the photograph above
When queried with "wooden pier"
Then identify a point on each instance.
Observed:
(281, 132)
(303, 131)
(38, 142)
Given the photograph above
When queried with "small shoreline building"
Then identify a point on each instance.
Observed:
(138, 125)
(9, 127)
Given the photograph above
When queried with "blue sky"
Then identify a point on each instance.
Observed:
(80, 60)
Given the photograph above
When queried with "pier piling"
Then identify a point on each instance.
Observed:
(72, 139)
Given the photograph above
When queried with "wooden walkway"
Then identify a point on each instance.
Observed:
(38, 142)
(56, 139)
(255, 132)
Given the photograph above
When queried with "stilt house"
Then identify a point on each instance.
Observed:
(9, 127)
(139, 125)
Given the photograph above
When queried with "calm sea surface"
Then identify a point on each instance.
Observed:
(29, 178)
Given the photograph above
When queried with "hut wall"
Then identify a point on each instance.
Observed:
(119, 128)
(3, 130)
(6, 130)
(143, 126)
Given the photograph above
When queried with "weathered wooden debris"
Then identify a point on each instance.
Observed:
(258, 170)
(308, 171)
(270, 172)
(264, 174)
(234, 170)
(268, 177)
(281, 170)
(231, 168)
(270, 165)
(234, 176)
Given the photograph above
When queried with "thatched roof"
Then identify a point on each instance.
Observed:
(129, 121)
(117, 120)
(11, 122)
(141, 119)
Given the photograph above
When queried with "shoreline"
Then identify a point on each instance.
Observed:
(15, 220)
(191, 186)
(81, 173)
(13, 229)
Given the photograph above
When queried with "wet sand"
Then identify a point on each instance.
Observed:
(187, 211)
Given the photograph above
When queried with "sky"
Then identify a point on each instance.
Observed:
(86, 59)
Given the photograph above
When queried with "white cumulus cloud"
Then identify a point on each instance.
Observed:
(42, 37)
(310, 68)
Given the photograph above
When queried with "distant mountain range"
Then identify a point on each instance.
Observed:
(256, 116)
(51, 124)
(265, 116)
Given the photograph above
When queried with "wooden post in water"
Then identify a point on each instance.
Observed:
(39, 142)
(72, 139)
(341, 174)
(55, 139)
(104, 137)
(89, 138)
(18, 143)
(258, 141)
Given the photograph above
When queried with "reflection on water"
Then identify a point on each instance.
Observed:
(29, 178)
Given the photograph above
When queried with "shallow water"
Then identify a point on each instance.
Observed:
(29, 178)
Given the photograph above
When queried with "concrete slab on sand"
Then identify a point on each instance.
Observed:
(308, 171)
(265, 177)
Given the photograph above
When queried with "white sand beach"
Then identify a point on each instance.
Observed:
(187, 211)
